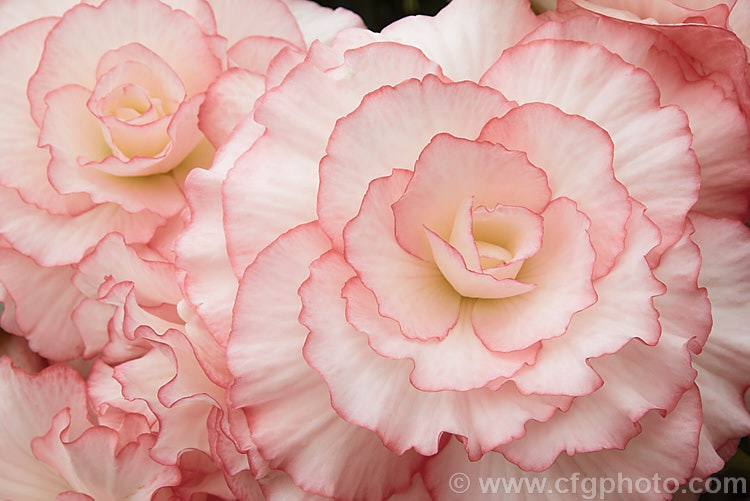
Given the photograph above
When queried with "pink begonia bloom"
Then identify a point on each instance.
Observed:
(480, 243)
(106, 108)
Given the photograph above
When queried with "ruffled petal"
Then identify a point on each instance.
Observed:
(14, 14)
(720, 133)
(578, 165)
(624, 309)
(658, 11)
(29, 403)
(299, 116)
(44, 300)
(229, 99)
(659, 170)
(723, 363)
(465, 38)
(411, 291)
(372, 391)
(458, 362)
(407, 117)
(112, 259)
(54, 240)
(562, 271)
(321, 23)
(266, 18)
(287, 405)
(209, 283)
(667, 446)
(98, 465)
(19, 54)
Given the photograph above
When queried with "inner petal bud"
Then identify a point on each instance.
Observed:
(486, 249)
(126, 102)
(505, 236)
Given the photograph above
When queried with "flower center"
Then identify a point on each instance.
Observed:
(486, 249)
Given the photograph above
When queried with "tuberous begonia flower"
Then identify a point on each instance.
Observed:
(481, 243)
(107, 106)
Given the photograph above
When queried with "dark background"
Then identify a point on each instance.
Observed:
(379, 13)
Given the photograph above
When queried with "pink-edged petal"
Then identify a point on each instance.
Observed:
(199, 10)
(75, 44)
(286, 403)
(299, 116)
(96, 464)
(105, 395)
(86, 140)
(155, 281)
(658, 11)
(466, 37)
(14, 14)
(321, 23)
(739, 21)
(578, 165)
(412, 291)
(375, 392)
(562, 272)
(659, 170)
(406, 117)
(19, 54)
(282, 64)
(54, 240)
(119, 341)
(667, 446)
(209, 283)
(130, 140)
(720, 134)
(92, 318)
(723, 363)
(624, 309)
(18, 350)
(684, 310)
(448, 171)
(135, 64)
(637, 379)
(175, 387)
(229, 99)
(44, 300)
(29, 404)
(267, 18)
(719, 55)
(201, 477)
(720, 140)
(458, 362)
(255, 54)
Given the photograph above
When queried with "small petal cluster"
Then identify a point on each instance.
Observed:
(251, 250)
